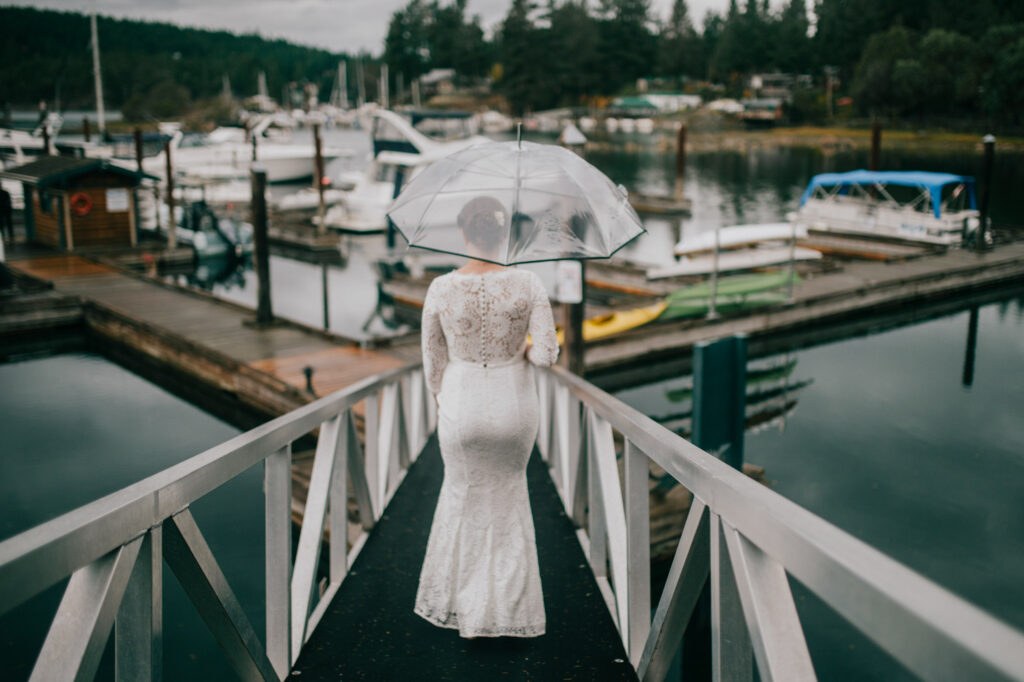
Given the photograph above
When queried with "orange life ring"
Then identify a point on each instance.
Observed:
(81, 204)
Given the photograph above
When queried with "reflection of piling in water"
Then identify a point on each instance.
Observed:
(972, 343)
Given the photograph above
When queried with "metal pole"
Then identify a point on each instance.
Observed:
(318, 176)
(138, 148)
(172, 224)
(261, 251)
(86, 131)
(712, 313)
(680, 161)
(46, 139)
(986, 187)
(384, 85)
(323, 286)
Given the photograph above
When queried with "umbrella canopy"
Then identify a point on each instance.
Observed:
(515, 202)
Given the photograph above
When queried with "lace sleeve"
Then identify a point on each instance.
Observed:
(434, 345)
(544, 350)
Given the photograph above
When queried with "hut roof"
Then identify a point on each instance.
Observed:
(50, 171)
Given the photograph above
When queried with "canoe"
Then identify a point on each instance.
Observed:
(618, 321)
(746, 259)
(697, 307)
(742, 285)
(735, 236)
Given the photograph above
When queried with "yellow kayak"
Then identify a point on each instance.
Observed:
(619, 321)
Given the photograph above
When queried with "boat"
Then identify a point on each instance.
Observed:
(729, 261)
(915, 206)
(210, 235)
(617, 322)
(400, 150)
(737, 236)
(225, 154)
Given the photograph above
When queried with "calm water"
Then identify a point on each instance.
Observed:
(77, 427)
(888, 443)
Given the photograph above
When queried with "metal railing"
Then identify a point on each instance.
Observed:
(114, 549)
(749, 540)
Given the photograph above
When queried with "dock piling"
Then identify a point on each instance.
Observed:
(680, 161)
(86, 131)
(876, 145)
(986, 187)
(172, 224)
(261, 246)
(323, 286)
(138, 146)
(318, 177)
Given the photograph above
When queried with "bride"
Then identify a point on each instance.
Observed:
(480, 574)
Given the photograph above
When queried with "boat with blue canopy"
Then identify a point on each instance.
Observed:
(918, 206)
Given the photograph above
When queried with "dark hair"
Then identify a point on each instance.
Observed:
(481, 222)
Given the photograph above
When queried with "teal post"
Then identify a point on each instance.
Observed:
(719, 397)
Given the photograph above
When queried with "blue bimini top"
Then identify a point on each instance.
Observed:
(932, 182)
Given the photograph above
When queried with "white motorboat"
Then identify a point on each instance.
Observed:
(730, 261)
(737, 236)
(916, 206)
(400, 151)
(227, 155)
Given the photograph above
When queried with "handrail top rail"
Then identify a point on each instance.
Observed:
(36, 558)
(797, 538)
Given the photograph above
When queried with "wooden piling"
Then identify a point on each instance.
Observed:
(172, 224)
(46, 140)
(261, 246)
(138, 148)
(86, 131)
(318, 178)
(574, 345)
(876, 145)
(986, 186)
(680, 161)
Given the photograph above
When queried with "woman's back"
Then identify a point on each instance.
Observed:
(484, 319)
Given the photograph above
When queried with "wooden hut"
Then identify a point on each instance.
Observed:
(78, 203)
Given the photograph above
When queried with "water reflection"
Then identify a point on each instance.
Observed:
(891, 447)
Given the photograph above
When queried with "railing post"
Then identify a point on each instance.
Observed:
(731, 652)
(338, 504)
(638, 550)
(277, 477)
(371, 449)
(138, 629)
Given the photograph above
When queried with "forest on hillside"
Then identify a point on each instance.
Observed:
(919, 60)
(151, 68)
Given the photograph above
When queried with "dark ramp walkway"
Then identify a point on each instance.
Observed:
(371, 633)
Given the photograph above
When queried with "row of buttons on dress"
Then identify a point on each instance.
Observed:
(485, 328)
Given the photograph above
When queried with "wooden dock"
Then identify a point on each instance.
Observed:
(895, 278)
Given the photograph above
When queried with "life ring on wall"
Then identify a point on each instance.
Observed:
(81, 204)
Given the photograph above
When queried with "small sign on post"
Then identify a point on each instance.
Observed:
(569, 281)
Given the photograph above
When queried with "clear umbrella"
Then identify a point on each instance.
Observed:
(515, 202)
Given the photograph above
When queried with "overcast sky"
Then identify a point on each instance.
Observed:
(337, 25)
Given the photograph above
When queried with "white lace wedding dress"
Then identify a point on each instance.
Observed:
(480, 572)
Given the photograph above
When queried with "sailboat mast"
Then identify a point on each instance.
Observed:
(97, 76)
(343, 84)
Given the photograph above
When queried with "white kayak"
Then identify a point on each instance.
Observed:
(744, 259)
(735, 236)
